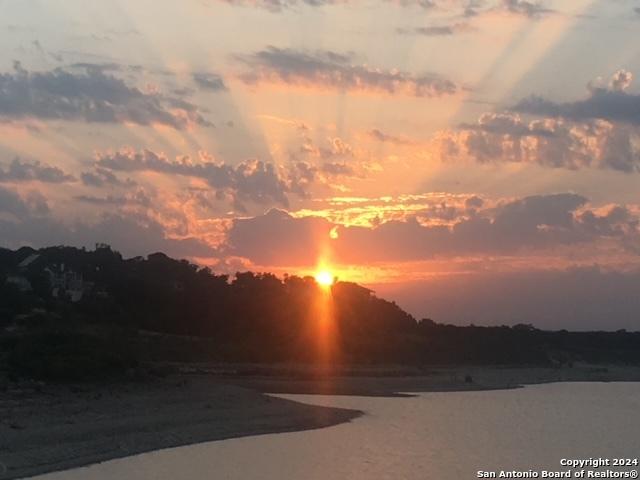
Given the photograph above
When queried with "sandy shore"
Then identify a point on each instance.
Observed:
(58, 428)
(47, 428)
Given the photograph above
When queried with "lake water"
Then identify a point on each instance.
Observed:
(434, 436)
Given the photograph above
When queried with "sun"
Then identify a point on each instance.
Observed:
(324, 278)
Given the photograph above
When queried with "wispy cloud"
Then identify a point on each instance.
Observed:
(332, 71)
(526, 8)
(209, 81)
(385, 137)
(437, 30)
(280, 5)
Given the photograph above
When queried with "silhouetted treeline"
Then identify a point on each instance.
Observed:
(53, 294)
(524, 344)
(255, 317)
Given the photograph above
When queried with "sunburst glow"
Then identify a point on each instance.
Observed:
(324, 278)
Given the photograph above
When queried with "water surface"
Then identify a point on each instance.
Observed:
(432, 436)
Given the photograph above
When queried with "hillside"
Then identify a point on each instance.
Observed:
(68, 312)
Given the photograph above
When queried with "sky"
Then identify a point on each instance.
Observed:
(477, 161)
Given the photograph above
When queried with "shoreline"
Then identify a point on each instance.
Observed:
(46, 428)
(64, 427)
(436, 379)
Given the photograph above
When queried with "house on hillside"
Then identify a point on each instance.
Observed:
(66, 282)
(19, 278)
(30, 259)
(57, 278)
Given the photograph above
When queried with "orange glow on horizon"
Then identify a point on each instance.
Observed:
(324, 278)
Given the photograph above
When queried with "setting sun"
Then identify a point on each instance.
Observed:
(324, 278)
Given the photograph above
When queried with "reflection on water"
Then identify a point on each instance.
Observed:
(432, 436)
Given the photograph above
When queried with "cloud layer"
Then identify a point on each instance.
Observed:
(252, 180)
(549, 142)
(528, 224)
(22, 171)
(467, 8)
(611, 103)
(332, 71)
(89, 93)
(25, 219)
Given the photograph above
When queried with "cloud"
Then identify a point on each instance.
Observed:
(283, 5)
(613, 103)
(280, 5)
(530, 223)
(130, 234)
(322, 162)
(91, 94)
(11, 203)
(475, 8)
(429, 208)
(508, 124)
(389, 138)
(337, 169)
(437, 30)
(139, 198)
(332, 147)
(20, 171)
(101, 177)
(425, 4)
(281, 239)
(526, 8)
(331, 71)
(616, 222)
(209, 81)
(25, 219)
(599, 131)
(469, 8)
(108, 200)
(16, 205)
(473, 202)
(620, 81)
(252, 180)
(535, 223)
(549, 142)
